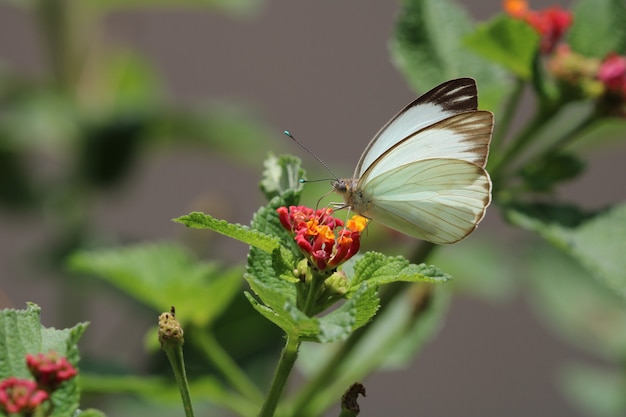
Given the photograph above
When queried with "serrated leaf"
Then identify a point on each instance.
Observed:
(265, 271)
(510, 42)
(281, 174)
(164, 274)
(598, 28)
(378, 269)
(596, 240)
(21, 332)
(354, 313)
(428, 48)
(291, 320)
(252, 237)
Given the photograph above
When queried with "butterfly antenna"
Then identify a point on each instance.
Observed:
(310, 152)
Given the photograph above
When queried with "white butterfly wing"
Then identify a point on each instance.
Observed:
(463, 136)
(439, 200)
(450, 98)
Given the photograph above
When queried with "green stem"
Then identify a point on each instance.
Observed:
(523, 139)
(574, 133)
(227, 366)
(285, 364)
(502, 125)
(175, 355)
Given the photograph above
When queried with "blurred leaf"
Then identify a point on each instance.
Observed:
(483, 268)
(16, 188)
(109, 148)
(573, 304)
(544, 173)
(240, 8)
(40, 119)
(596, 392)
(89, 413)
(411, 323)
(244, 234)
(595, 240)
(391, 342)
(121, 81)
(224, 127)
(427, 46)
(598, 28)
(509, 42)
(21, 332)
(165, 392)
(164, 274)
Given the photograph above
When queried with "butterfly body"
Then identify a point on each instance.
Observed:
(423, 173)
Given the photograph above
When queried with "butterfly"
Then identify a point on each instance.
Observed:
(424, 174)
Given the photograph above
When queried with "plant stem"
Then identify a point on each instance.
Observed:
(285, 364)
(227, 366)
(502, 125)
(523, 139)
(175, 355)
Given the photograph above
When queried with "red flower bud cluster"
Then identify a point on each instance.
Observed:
(50, 369)
(612, 73)
(18, 395)
(550, 23)
(323, 239)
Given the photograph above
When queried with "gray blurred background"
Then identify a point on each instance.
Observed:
(322, 70)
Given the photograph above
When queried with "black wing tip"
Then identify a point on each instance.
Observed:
(459, 95)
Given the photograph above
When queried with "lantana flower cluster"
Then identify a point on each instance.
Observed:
(322, 238)
(550, 23)
(603, 79)
(24, 396)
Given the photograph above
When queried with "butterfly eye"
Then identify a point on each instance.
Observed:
(340, 186)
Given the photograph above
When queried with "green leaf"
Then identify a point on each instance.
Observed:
(228, 128)
(281, 174)
(164, 274)
(417, 324)
(509, 42)
(544, 173)
(89, 413)
(598, 28)
(596, 240)
(268, 273)
(289, 318)
(595, 391)
(378, 269)
(428, 48)
(162, 391)
(21, 332)
(197, 220)
(240, 8)
(574, 305)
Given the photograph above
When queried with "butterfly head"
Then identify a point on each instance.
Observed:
(348, 188)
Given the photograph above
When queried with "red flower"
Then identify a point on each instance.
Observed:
(550, 23)
(20, 396)
(315, 235)
(50, 369)
(612, 73)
